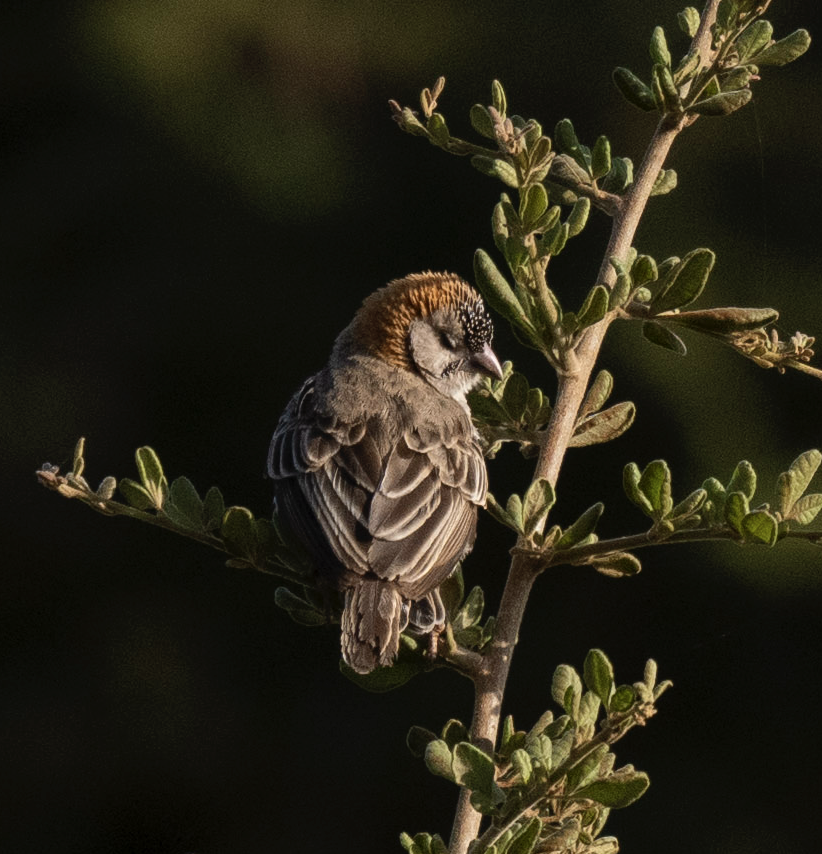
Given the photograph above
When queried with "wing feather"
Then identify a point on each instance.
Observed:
(398, 507)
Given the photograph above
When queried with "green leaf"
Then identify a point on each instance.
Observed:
(598, 673)
(238, 532)
(617, 565)
(633, 89)
(554, 240)
(663, 83)
(513, 508)
(515, 396)
(650, 673)
(418, 739)
(601, 157)
(501, 514)
(714, 506)
(482, 122)
(486, 409)
(791, 485)
(298, 609)
(804, 467)
(737, 78)
(535, 204)
(690, 504)
(537, 407)
(622, 699)
(561, 747)
(655, 485)
(687, 68)
(722, 104)
(723, 321)
(411, 124)
(663, 337)
(107, 487)
(495, 167)
(548, 220)
(597, 395)
(621, 291)
(595, 306)
(451, 592)
(743, 480)
(806, 508)
(631, 476)
(754, 38)
(582, 528)
(498, 293)
(566, 689)
(409, 663)
(213, 509)
(578, 217)
(151, 475)
(471, 612)
(136, 495)
(760, 526)
(525, 839)
(184, 507)
(521, 763)
(544, 720)
(688, 20)
(616, 791)
(454, 732)
(785, 50)
(604, 426)
(665, 181)
(621, 175)
(438, 759)
(589, 768)
(686, 281)
(438, 129)
(498, 98)
(658, 48)
(537, 502)
(736, 508)
(474, 769)
(566, 142)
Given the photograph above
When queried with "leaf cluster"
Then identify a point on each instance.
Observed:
(250, 542)
(728, 508)
(553, 786)
(741, 42)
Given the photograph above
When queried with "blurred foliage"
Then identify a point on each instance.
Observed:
(261, 91)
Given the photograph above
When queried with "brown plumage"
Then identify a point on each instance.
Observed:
(375, 461)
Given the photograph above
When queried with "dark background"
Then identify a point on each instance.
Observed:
(194, 198)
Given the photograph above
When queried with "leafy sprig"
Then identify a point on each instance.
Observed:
(556, 783)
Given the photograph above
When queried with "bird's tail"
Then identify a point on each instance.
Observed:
(372, 619)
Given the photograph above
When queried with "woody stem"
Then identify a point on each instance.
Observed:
(493, 674)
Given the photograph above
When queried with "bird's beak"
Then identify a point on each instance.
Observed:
(486, 360)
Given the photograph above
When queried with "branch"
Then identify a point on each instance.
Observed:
(571, 389)
(582, 555)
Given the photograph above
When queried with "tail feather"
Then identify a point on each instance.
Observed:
(372, 619)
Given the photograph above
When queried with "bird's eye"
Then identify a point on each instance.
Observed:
(447, 341)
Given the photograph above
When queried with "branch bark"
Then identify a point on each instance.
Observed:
(490, 682)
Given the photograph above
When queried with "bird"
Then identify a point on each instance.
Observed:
(377, 468)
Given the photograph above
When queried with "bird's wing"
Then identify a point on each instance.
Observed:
(402, 508)
(423, 513)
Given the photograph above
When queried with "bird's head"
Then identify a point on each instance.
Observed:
(433, 324)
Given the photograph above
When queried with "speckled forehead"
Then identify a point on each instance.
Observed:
(476, 324)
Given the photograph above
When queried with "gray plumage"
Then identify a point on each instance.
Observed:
(375, 462)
